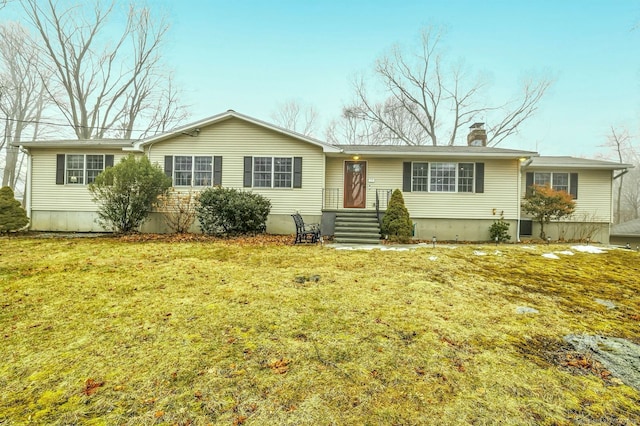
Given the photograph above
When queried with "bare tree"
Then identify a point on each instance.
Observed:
(23, 98)
(300, 118)
(111, 84)
(631, 194)
(617, 140)
(349, 129)
(627, 186)
(428, 101)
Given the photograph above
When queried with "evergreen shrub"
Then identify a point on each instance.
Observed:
(12, 216)
(396, 223)
(226, 211)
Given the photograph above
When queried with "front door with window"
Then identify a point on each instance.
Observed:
(355, 184)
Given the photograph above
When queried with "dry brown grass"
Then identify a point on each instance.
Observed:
(106, 331)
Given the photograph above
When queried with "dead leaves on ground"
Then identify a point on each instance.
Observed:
(245, 240)
(91, 386)
(544, 351)
(279, 366)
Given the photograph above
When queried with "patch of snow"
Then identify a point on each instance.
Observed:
(498, 253)
(345, 248)
(566, 252)
(550, 256)
(526, 310)
(528, 247)
(433, 258)
(608, 303)
(479, 253)
(588, 249)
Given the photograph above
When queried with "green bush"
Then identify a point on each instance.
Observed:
(12, 215)
(127, 191)
(396, 222)
(224, 211)
(500, 230)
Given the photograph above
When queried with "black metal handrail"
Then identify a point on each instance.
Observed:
(387, 197)
(331, 198)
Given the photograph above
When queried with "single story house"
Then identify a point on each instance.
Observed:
(451, 192)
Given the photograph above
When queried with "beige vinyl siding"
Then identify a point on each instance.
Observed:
(594, 194)
(233, 139)
(500, 188)
(46, 195)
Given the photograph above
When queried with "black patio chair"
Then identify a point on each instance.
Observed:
(309, 233)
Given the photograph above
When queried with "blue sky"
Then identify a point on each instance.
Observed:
(252, 56)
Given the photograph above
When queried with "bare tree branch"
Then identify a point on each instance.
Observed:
(425, 101)
(108, 81)
(293, 115)
(23, 97)
(627, 196)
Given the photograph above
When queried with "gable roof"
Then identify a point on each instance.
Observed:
(435, 151)
(197, 125)
(566, 162)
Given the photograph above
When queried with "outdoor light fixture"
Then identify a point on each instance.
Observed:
(433, 240)
(588, 240)
(356, 157)
(73, 179)
(548, 240)
(496, 240)
(456, 238)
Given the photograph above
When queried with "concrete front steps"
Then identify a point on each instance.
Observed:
(356, 227)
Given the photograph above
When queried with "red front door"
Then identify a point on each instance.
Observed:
(355, 184)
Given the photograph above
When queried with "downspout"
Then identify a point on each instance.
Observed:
(522, 163)
(518, 208)
(27, 186)
(611, 214)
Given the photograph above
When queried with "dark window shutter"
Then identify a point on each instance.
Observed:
(108, 161)
(529, 183)
(248, 164)
(168, 165)
(217, 170)
(479, 178)
(297, 172)
(406, 176)
(573, 185)
(60, 169)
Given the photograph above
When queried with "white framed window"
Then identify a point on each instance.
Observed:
(443, 177)
(82, 169)
(282, 172)
(202, 171)
(559, 181)
(191, 170)
(420, 177)
(272, 172)
(465, 177)
(74, 169)
(262, 172)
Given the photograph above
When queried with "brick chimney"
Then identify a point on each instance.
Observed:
(477, 135)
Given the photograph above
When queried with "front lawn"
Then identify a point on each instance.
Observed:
(117, 332)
